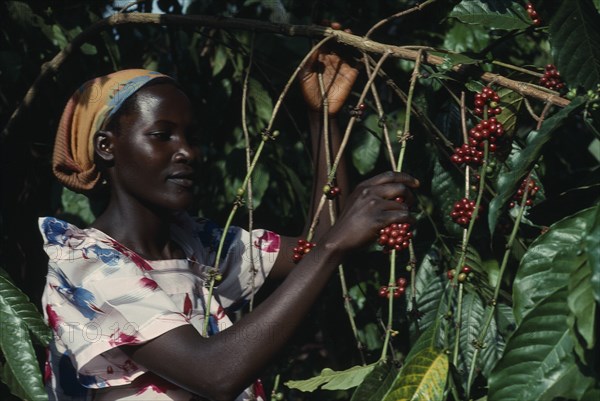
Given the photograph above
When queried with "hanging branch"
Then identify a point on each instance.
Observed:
(362, 43)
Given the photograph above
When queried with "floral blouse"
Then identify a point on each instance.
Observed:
(100, 295)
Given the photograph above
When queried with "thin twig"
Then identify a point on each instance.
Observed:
(384, 21)
(249, 199)
(380, 113)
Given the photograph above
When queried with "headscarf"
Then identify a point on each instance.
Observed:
(88, 111)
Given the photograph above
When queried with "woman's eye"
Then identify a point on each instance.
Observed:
(163, 136)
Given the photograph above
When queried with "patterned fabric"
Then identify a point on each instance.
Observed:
(86, 112)
(100, 295)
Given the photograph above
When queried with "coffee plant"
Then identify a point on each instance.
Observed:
(493, 105)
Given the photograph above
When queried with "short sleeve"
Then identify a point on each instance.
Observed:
(246, 259)
(97, 299)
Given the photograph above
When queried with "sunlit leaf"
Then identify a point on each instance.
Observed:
(492, 13)
(20, 306)
(20, 369)
(423, 377)
(333, 380)
(538, 362)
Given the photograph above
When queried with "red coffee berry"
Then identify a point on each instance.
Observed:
(303, 248)
(463, 212)
(533, 14)
(331, 192)
(384, 292)
(532, 189)
(551, 78)
(465, 269)
(395, 236)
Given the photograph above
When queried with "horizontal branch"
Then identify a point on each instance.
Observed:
(312, 31)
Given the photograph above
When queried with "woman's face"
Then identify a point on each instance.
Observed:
(156, 150)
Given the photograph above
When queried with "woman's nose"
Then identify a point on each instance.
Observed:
(186, 152)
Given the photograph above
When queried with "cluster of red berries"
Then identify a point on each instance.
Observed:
(395, 236)
(487, 130)
(331, 192)
(487, 97)
(551, 78)
(302, 249)
(463, 212)
(531, 189)
(535, 18)
(468, 155)
(462, 276)
(384, 291)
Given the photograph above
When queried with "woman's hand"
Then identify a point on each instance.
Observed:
(338, 78)
(370, 208)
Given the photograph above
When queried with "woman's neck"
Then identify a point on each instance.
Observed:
(142, 229)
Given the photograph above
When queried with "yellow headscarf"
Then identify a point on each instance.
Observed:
(88, 111)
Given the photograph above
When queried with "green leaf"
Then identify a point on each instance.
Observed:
(498, 14)
(17, 304)
(583, 308)
(510, 103)
(575, 40)
(260, 104)
(591, 244)
(376, 384)
(522, 162)
(461, 38)
(77, 204)
(423, 377)
(431, 303)
(20, 370)
(333, 380)
(548, 263)
(446, 189)
(366, 147)
(260, 183)
(538, 362)
(219, 60)
(473, 315)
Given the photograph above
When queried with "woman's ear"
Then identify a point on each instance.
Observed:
(103, 145)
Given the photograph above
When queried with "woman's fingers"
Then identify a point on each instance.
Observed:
(392, 177)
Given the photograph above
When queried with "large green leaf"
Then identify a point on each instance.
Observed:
(19, 370)
(446, 189)
(538, 362)
(366, 147)
(522, 162)
(548, 263)
(423, 377)
(17, 304)
(431, 302)
(333, 380)
(582, 307)
(473, 315)
(591, 244)
(376, 384)
(498, 14)
(575, 40)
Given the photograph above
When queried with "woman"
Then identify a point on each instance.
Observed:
(126, 297)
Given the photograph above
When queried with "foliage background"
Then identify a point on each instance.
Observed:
(210, 64)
